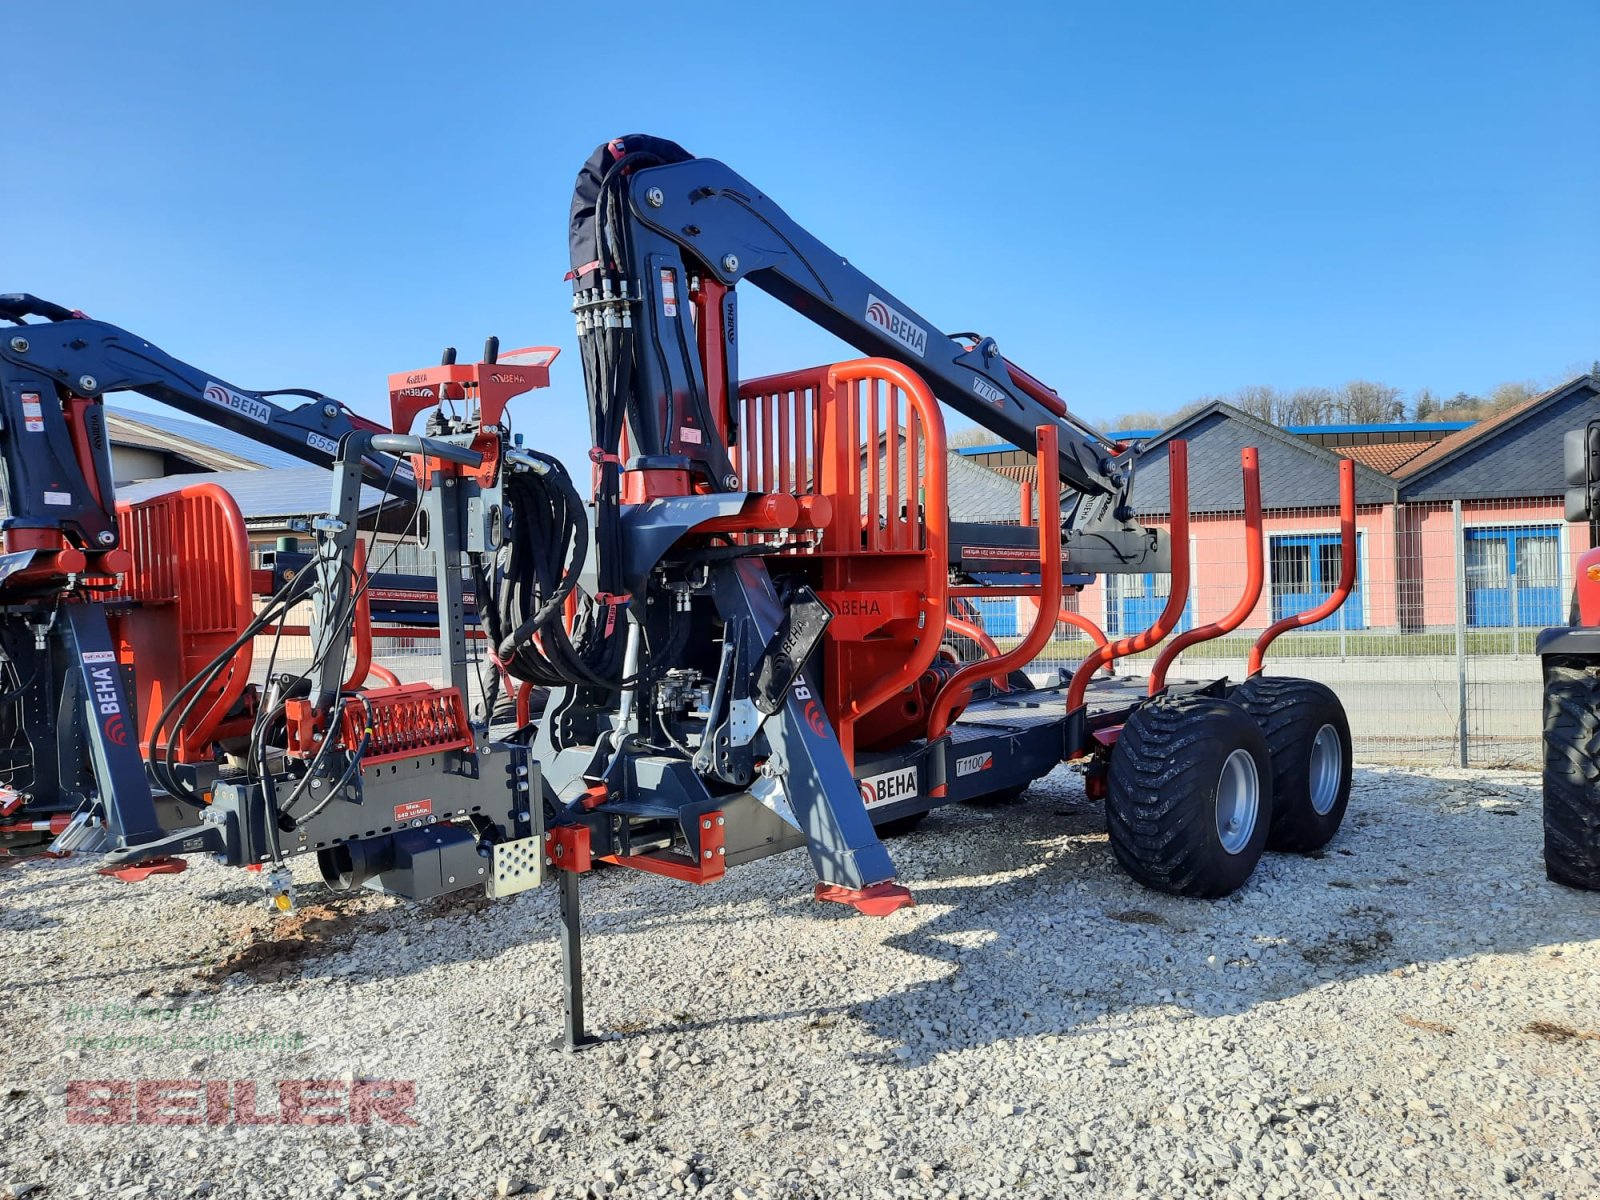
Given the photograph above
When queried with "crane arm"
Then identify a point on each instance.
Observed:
(684, 219)
(54, 369)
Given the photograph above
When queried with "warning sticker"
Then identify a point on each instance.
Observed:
(692, 436)
(99, 656)
(62, 498)
(32, 413)
(669, 293)
(412, 809)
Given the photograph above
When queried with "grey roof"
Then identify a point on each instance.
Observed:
(1294, 473)
(1516, 453)
(976, 492)
(224, 440)
(979, 494)
(276, 493)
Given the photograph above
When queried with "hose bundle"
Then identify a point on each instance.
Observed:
(535, 571)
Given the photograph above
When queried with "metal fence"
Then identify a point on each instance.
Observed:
(1433, 654)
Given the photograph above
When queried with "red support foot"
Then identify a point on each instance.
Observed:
(879, 900)
(142, 871)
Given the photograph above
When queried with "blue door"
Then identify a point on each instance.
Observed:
(1305, 570)
(1133, 602)
(1514, 577)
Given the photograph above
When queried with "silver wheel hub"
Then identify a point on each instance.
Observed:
(1326, 769)
(1238, 801)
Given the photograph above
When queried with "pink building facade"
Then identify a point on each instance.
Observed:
(1469, 530)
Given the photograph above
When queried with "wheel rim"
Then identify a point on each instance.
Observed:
(1327, 769)
(1238, 801)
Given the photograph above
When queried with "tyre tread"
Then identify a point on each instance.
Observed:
(1572, 774)
(1158, 814)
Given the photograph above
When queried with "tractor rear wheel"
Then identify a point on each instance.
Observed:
(1572, 772)
(1308, 737)
(1189, 795)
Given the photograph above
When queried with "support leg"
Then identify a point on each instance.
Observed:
(573, 1035)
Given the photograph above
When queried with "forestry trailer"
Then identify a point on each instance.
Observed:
(743, 632)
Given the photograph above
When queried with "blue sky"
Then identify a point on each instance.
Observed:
(1143, 202)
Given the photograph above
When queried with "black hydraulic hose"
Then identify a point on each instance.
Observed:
(189, 694)
(578, 532)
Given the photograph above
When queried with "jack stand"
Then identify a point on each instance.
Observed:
(573, 1035)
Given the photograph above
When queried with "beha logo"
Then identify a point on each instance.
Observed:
(903, 330)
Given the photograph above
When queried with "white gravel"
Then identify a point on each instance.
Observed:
(1355, 1024)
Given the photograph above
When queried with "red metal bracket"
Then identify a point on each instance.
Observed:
(710, 866)
(566, 848)
(1249, 462)
(879, 900)
(491, 384)
(1178, 489)
(139, 872)
(1347, 573)
(986, 643)
(1096, 634)
(1044, 621)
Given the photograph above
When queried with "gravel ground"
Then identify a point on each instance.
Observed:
(1412, 1013)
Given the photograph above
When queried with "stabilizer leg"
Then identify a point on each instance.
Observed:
(574, 1036)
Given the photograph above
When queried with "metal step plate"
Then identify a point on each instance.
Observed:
(517, 866)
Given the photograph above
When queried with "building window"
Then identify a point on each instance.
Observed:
(1303, 570)
(1513, 576)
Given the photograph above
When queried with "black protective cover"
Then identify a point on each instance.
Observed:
(633, 152)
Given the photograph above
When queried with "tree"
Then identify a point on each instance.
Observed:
(1463, 406)
(1259, 400)
(1425, 405)
(1364, 402)
(976, 436)
(1509, 395)
(1140, 420)
(1308, 406)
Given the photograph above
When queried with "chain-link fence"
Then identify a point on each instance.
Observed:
(1433, 653)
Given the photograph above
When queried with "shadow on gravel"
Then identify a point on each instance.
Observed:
(1029, 926)
(1424, 870)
